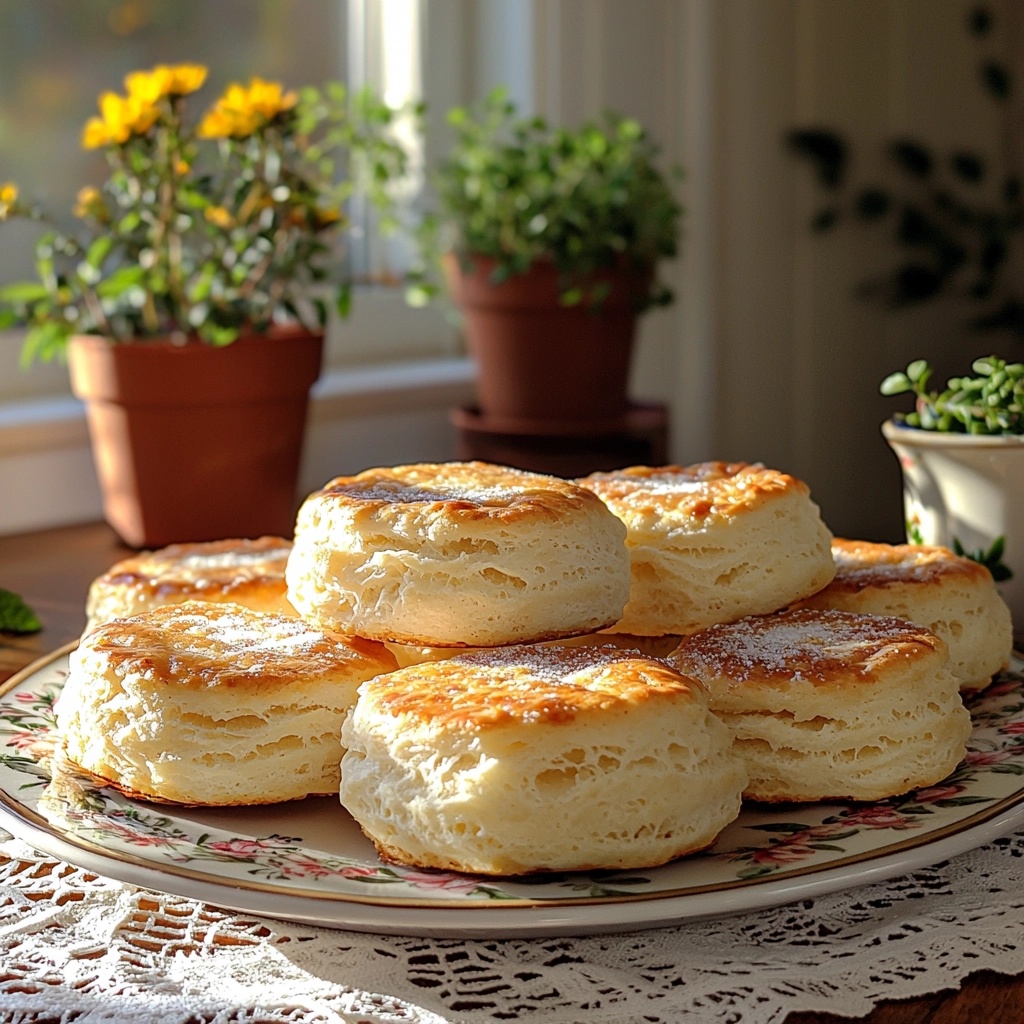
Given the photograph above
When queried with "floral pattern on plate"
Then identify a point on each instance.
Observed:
(317, 849)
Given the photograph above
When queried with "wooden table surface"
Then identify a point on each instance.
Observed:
(52, 570)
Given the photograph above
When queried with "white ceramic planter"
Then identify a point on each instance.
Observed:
(965, 488)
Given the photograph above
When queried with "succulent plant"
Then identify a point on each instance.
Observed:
(991, 402)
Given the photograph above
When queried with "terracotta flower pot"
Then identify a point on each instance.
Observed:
(538, 360)
(968, 490)
(193, 442)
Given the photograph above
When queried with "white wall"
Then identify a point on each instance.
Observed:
(768, 355)
(799, 357)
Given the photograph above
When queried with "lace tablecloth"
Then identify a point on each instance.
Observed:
(79, 947)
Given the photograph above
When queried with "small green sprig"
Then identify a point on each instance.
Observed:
(16, 616)
(990, 403)
(991, 559)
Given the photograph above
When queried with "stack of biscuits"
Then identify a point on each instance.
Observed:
(462, 651)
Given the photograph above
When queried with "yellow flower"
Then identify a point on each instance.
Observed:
(8, 197)
(243, 110)
(147, 86)
(89, 203)
(95, 134)
(120, 118)
(87, 197)
(269, 99)
(325, 216)
(219, 217)
(186, 78)
(117, 116)
(220, 125)
(165, 80)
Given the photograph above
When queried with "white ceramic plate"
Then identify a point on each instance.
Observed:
(307, 861)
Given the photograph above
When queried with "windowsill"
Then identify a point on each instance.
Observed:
(361, 416)
(392, 386)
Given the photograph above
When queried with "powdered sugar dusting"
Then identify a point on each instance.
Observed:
(692, 493)
(673, 478)
(408, 493)
(796, 645)
(528, 684)
(429, 483)
(232, 560)
(549, 664)
(674, 485)
(862, 564)
(235, 630)
(199, 644)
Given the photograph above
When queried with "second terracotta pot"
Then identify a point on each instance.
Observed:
(539, 360)
(194, 442)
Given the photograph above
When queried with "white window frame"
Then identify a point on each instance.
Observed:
(383, 399)
(391, 372)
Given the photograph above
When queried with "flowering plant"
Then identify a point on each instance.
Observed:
(210, 226)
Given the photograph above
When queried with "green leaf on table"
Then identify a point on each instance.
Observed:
(16, 616)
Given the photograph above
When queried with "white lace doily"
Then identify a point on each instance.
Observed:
(83, 948)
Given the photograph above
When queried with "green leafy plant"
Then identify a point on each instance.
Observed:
(955, 217)
(16, 616)
(517, 190)
(206, 226)
(992, 402)
(992, 558)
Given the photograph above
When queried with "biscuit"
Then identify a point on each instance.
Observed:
(832, 705)
(246, 572)
(212, 704)
(714, 542)
(956, 598)
(457, 555)
(533, 759)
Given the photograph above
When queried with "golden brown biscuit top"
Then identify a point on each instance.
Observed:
(197, 645)
(825, 648)
(467, 490)
(698, 492)
(209, 570)
(527, 684)
(861, 564)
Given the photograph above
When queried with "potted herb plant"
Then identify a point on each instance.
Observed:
(961, 452)
(192, 295)
(550, 239)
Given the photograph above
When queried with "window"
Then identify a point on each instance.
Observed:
(57, 56)
(566, 59)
